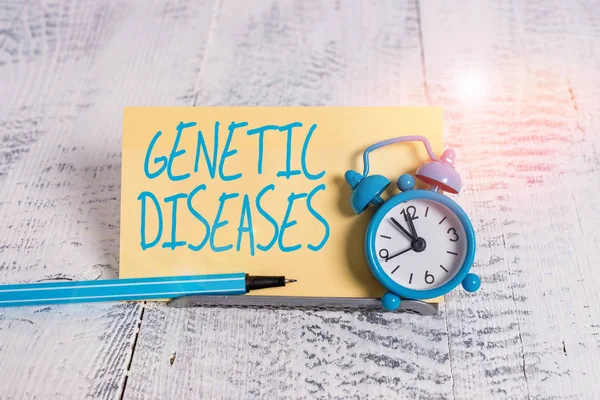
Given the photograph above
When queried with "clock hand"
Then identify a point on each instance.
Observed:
(411, 225)
(397, 254)
(402, 229)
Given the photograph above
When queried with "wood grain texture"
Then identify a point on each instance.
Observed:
(528, 160)
(66, 71)
(247, 353)
(518, 81)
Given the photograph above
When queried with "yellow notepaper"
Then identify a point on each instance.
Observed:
(259, 190)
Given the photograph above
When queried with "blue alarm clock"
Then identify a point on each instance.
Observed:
(419, 244)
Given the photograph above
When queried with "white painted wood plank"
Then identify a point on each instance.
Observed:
(66, 71)
(299, 53)
(246, 353)
(306, 53)
(532, 187)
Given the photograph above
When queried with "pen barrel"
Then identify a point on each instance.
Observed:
(121, 289)
(263, 282)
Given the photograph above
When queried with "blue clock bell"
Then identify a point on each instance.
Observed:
(419, 243)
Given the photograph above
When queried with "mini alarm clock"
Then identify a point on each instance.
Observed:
(419, 244)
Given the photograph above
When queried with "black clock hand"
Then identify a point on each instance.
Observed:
(397, 254)
(402, 229)
(411, 225)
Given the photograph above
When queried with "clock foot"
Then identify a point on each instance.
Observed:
(471, 283)
(390, 301)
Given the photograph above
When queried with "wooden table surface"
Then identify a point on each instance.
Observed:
(519, 82)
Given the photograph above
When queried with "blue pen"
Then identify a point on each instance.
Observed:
(42, 293)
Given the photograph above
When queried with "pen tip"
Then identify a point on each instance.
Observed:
(291, 280)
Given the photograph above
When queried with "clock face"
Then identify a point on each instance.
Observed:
(420, 244)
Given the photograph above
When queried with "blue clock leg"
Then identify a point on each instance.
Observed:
(390, 301)
(471, 283)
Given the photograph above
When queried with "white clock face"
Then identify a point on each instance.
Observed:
(425, 255)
